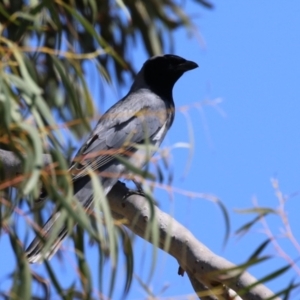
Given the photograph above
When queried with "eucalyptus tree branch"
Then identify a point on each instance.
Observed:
(201, 264)
(205, 269)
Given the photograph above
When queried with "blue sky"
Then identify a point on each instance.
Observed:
(249, 60)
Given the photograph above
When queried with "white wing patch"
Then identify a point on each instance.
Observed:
(159, 136)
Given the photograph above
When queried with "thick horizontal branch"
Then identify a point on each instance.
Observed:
(202, 265)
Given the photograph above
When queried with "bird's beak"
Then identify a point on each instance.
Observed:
(187, 66)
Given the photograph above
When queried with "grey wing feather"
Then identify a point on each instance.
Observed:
(117, 137)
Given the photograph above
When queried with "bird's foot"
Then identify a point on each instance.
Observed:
(131, 192)
(138, 186)
(139, 191)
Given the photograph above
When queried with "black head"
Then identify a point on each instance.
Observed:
(162, 72)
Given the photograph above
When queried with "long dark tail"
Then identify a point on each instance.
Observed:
(84, 193)
(34, 250)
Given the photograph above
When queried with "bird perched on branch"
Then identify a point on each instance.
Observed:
(142, 117)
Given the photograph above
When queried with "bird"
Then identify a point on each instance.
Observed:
(143, 116)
